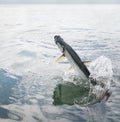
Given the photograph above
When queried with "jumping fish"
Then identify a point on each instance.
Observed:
(73, 58)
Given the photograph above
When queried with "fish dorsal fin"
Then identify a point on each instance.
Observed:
(86, 63)
(60, 58)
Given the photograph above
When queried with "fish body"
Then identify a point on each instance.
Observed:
(73, 58)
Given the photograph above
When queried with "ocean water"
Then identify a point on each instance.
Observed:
(29, 73)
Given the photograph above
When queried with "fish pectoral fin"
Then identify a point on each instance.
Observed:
(70, 68)
(60, 58)
(86, 63)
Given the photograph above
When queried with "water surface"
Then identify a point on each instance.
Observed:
(28, 73)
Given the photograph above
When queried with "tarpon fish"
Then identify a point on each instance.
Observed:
(73, 58)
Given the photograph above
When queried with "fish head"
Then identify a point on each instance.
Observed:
(60, 43)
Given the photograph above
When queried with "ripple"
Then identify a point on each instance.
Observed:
(27, 53)
(10, 114)
(7, 82)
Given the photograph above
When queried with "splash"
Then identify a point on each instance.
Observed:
(73, 90)
(101, 73)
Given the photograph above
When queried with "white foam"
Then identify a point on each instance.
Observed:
(101, 70)
(102, 66)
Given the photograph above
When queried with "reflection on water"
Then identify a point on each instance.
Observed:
(7, 83)
(6, 114)
(71, 94)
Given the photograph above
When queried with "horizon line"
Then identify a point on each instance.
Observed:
(61, 3)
